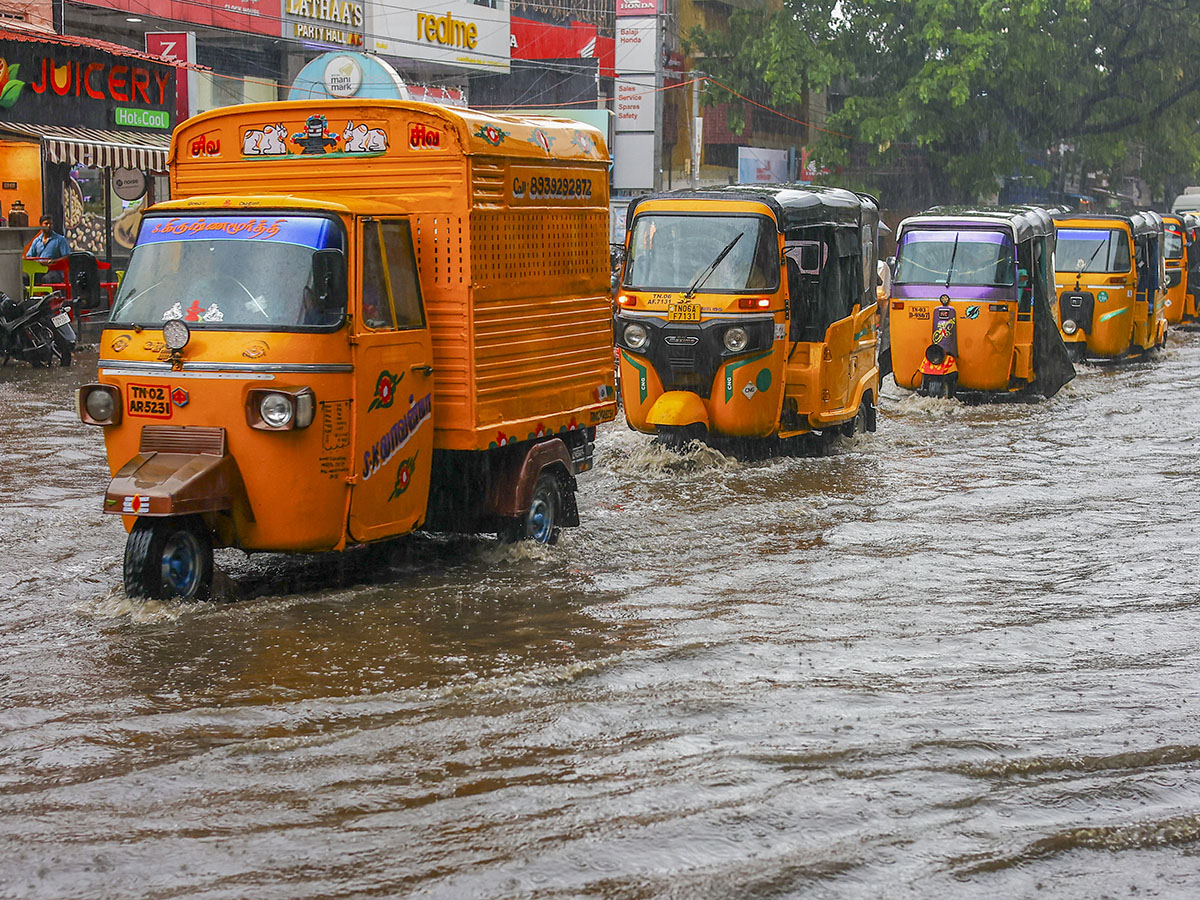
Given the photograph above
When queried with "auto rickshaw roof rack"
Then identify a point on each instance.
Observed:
(1026, 221)
(794, 205)
(1147, 222)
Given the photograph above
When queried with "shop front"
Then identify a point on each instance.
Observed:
(84, 131)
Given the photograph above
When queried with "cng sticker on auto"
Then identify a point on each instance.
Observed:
(1102, 296)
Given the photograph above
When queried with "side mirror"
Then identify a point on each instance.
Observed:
(83, 274)
(329, 279)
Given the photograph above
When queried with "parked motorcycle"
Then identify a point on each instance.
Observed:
(36, 329)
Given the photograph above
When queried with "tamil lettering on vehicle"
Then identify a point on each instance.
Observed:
(397, 436)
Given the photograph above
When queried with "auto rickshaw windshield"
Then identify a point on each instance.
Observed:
(1173, 245)
(670, 252)
(228, 272)
(1092, 250)
(947, 256)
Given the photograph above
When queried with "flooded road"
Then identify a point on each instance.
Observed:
(956, 658)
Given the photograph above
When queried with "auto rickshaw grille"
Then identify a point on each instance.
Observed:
(204, 439)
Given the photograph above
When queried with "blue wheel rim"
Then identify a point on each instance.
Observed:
(541, 520)
(181, 564)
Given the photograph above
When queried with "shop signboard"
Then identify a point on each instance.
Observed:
(757, 164)
(541, 40)
(341, 75)
(451, 32)
(58, 84)
(179, 46)
(636, 101)
(633, 160)
(639, 7)
(637, 46)
(339, 22)
(253, 16)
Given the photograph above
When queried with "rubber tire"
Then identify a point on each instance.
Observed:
(540, 522)
(189, 543)
(63, 349)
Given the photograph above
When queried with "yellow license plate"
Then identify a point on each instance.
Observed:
(683, 312)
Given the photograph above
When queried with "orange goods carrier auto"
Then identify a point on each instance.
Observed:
(355, 320)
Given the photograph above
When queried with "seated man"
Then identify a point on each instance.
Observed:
(46, 247)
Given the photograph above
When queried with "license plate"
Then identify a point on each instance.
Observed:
(150, 400)
(60, 320)
(683, 312)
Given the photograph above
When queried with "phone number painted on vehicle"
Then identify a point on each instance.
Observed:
(551, 187)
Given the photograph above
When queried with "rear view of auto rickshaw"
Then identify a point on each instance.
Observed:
(746, 315)
(970, 309)
(1191, 238)
(1109, 279)
(356, 319)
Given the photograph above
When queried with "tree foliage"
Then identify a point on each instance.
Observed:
(987, 88)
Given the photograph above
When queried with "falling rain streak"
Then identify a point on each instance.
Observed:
(955, 658)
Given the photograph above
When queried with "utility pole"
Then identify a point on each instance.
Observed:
(697, 128)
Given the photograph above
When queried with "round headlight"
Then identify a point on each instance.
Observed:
(736, 339)
(936, 354)
(175, 334)
(636, 336)
(1069, 326)
(276, 410)
(99, 405)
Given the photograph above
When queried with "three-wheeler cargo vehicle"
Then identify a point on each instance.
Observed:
(970, 309)
(355, 319)
(1110, 276)
(746, 314)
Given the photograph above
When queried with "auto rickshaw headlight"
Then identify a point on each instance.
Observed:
(1069, 326)
(736, 339)
(99, 404)
(276, 410)
(271, 410)
(636, 336)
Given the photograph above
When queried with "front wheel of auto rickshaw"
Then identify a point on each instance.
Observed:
(940, 386)
(677, 437)
(169, 557)
(540, 522)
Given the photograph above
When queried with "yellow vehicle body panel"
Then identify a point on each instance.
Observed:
(992, 349)
(271, 464)
(510, 224)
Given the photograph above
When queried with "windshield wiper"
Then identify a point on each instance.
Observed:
(953, 254)
(712, 267)
(1088, 264)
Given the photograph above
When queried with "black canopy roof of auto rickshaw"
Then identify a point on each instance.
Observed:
(1142, 223)
(1026, 221)
(793, 205)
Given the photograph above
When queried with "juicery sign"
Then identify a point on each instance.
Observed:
(52, 84)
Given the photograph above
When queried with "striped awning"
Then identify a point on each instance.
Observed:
(94, 147)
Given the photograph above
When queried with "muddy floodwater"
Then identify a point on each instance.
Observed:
(957, 658)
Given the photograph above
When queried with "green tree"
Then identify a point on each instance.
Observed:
(987, 88)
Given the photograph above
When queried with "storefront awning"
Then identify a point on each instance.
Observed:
(94, 147)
